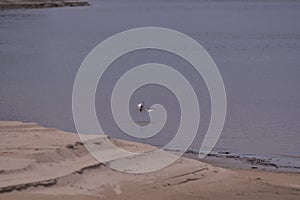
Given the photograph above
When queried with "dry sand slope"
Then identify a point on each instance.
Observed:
(43, 163)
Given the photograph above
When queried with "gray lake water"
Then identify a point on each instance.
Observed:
(256, 46)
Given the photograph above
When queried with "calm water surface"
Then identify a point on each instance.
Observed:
(255, 45)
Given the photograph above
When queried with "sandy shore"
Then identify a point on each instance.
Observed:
(45, 163)
(13, 4)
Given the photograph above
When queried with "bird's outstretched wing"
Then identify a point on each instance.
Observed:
(149, 110)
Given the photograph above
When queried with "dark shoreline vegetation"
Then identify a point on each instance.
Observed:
(17, 4)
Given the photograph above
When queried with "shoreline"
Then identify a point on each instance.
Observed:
(250, 162)
(27, 4)
(37, 162)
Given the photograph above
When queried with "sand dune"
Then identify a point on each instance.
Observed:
(45, 163)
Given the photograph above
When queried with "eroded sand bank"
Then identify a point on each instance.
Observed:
(45, 163)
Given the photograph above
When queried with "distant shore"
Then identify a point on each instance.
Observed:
(17, 4)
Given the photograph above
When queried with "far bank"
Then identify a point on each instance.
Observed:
(17, 4)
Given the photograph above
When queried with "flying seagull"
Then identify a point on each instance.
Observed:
(141, 107)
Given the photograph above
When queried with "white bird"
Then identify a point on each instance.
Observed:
(141, 107)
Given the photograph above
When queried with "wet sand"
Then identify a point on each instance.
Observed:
(46, 163)
(15, 4)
